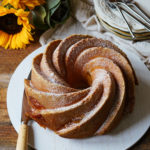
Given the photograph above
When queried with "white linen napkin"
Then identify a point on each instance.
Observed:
(84, 21)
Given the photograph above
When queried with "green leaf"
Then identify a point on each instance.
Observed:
(38, 15)
(60, 14)
(48, 18)
(52, 3)
(55, 8)
(50, 13)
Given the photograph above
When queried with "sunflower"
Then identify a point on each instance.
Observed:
(15, 29)
(23, 3)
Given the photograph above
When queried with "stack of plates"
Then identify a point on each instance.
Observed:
(111, 19)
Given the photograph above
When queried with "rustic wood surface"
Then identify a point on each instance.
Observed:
(9, 60)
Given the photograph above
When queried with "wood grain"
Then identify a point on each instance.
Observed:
(9, 60)
(7, 133)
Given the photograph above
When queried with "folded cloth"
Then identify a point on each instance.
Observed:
(83, 20)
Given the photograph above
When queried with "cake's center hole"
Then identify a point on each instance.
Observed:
(78, 82)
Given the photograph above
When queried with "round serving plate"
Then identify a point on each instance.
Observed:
(113, 17)
(128, 132)
(125, 35)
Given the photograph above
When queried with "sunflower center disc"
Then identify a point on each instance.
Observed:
(8, 24)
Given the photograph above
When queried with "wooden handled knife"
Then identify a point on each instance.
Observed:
(23, 131)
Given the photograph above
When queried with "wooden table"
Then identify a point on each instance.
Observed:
(9, 59)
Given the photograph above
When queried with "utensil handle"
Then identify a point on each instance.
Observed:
(129, 28)
(137, 14)
(22, 138)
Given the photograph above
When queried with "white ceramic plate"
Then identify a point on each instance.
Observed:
(125, 35)
(128, 132)
(114, 19)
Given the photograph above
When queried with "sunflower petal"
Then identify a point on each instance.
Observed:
(23, 37)
(4, 37)
(23, 3)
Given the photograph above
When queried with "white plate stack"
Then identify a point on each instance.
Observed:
(112, 20)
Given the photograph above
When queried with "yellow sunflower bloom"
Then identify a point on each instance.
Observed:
(15, 29)
(23, 3)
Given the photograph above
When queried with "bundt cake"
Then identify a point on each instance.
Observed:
(80, 86)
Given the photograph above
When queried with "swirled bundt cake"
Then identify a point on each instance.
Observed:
(80, 86)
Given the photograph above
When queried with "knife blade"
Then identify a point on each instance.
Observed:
(25, 106)
(23, 131)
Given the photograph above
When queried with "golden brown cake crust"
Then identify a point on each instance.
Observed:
(80, 86)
